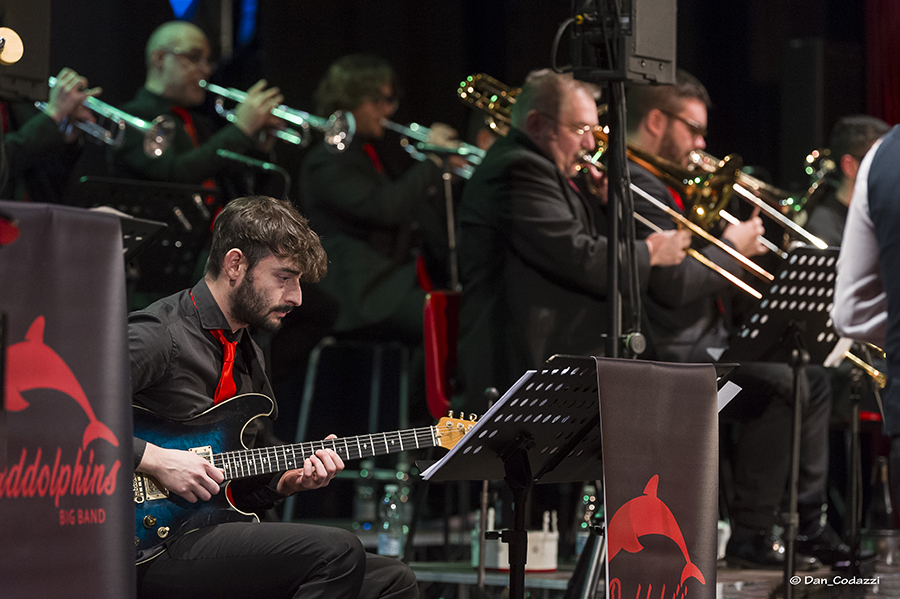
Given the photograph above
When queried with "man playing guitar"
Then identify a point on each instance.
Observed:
(189, 353)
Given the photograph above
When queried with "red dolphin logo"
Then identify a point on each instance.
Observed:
(33, 365)
(648, 515)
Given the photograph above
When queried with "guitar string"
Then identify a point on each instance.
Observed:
(265, 460)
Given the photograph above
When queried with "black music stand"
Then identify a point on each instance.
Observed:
(792, 324)
(169, 265)
(545, 429)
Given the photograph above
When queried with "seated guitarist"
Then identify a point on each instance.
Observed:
(190, 351)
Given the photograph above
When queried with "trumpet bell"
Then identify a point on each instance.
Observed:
(158, 136)
(339, 130)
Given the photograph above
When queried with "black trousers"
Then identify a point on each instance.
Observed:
(761, 417)
(272, 560)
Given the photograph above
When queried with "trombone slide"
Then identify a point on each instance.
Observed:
(707, 262)
(699, 231)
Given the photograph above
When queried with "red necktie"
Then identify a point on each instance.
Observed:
(185, 116)
(676, 198)
(373, 156)
(226, 388)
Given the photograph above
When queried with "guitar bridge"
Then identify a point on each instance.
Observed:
(147, 489)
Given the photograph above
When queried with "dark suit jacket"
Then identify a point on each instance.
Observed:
(182, 162)
(828, 219)
(40, 162)
(532, 255)
(681, 303)
(366, 221)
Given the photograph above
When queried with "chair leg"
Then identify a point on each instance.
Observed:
(309, 390)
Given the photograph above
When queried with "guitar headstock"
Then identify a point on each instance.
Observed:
(450, 430)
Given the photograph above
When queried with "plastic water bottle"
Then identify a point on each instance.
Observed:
(392, 533)
(586, 511)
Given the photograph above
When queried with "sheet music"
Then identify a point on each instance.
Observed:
(426, 474)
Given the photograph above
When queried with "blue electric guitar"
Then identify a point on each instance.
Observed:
(216, 436)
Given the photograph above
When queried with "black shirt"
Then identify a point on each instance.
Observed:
(176, 362)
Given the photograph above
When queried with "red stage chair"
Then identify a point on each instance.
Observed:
(441, 332)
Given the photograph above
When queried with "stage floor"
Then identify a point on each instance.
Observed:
(457, 581)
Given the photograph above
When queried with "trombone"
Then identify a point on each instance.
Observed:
(157, 133)
(420, 134)
(761, 195)
(337, 128)
(496, 100)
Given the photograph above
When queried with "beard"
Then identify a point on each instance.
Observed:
(250, 307)
(669, 150)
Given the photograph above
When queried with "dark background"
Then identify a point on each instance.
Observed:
(780, 72)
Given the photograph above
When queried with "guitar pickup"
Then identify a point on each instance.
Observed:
(204, 452)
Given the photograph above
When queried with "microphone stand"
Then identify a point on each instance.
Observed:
(258, 164)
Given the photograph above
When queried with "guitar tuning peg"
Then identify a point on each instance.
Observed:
(450, 414)
(473, 417)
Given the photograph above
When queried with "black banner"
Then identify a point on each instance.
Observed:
(660, 453)
(66, 506)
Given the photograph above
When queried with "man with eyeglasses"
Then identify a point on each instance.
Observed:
(177, 59)
(688, 307)
(533, 248)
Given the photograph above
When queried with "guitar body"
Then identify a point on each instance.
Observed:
(160, 516)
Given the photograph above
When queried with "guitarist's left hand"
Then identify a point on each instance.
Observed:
(317, 472)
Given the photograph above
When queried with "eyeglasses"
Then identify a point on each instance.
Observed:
(695, 127)
(196, 57)
(393, 100)
(580, 130)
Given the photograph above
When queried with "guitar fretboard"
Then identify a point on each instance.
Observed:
(266, 460)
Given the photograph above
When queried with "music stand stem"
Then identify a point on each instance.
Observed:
(519, 480)
(855, 472)
(798, 361)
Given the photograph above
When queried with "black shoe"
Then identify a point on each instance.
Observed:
(763, 550)
(826, 545)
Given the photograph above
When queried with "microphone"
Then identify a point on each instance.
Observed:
(256, 163)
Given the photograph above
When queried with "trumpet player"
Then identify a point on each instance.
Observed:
(686, 307)
(42, 149)
(177, 59)
(373, 220)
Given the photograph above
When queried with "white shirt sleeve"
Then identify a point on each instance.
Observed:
(860, 303)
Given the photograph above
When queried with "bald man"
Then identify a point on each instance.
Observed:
(177, 59)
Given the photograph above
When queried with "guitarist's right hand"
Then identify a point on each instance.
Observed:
(182, 472)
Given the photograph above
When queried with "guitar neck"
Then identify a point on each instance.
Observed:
(267, 460)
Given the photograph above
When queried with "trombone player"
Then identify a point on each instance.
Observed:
(533, 249)
(177, 59)
(687, 307)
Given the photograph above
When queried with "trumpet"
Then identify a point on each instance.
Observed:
(761, 195)
(338, 128)
(420, 134)
(157, 133)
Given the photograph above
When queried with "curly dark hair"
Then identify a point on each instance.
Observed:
(351, 80)
(259, 226)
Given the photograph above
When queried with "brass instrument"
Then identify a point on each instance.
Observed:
(496, 99)
(706, 195)
(420, 134)
(157, 133)
(337, 128)
(491, 97)
(843, 350)
(761, 195)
